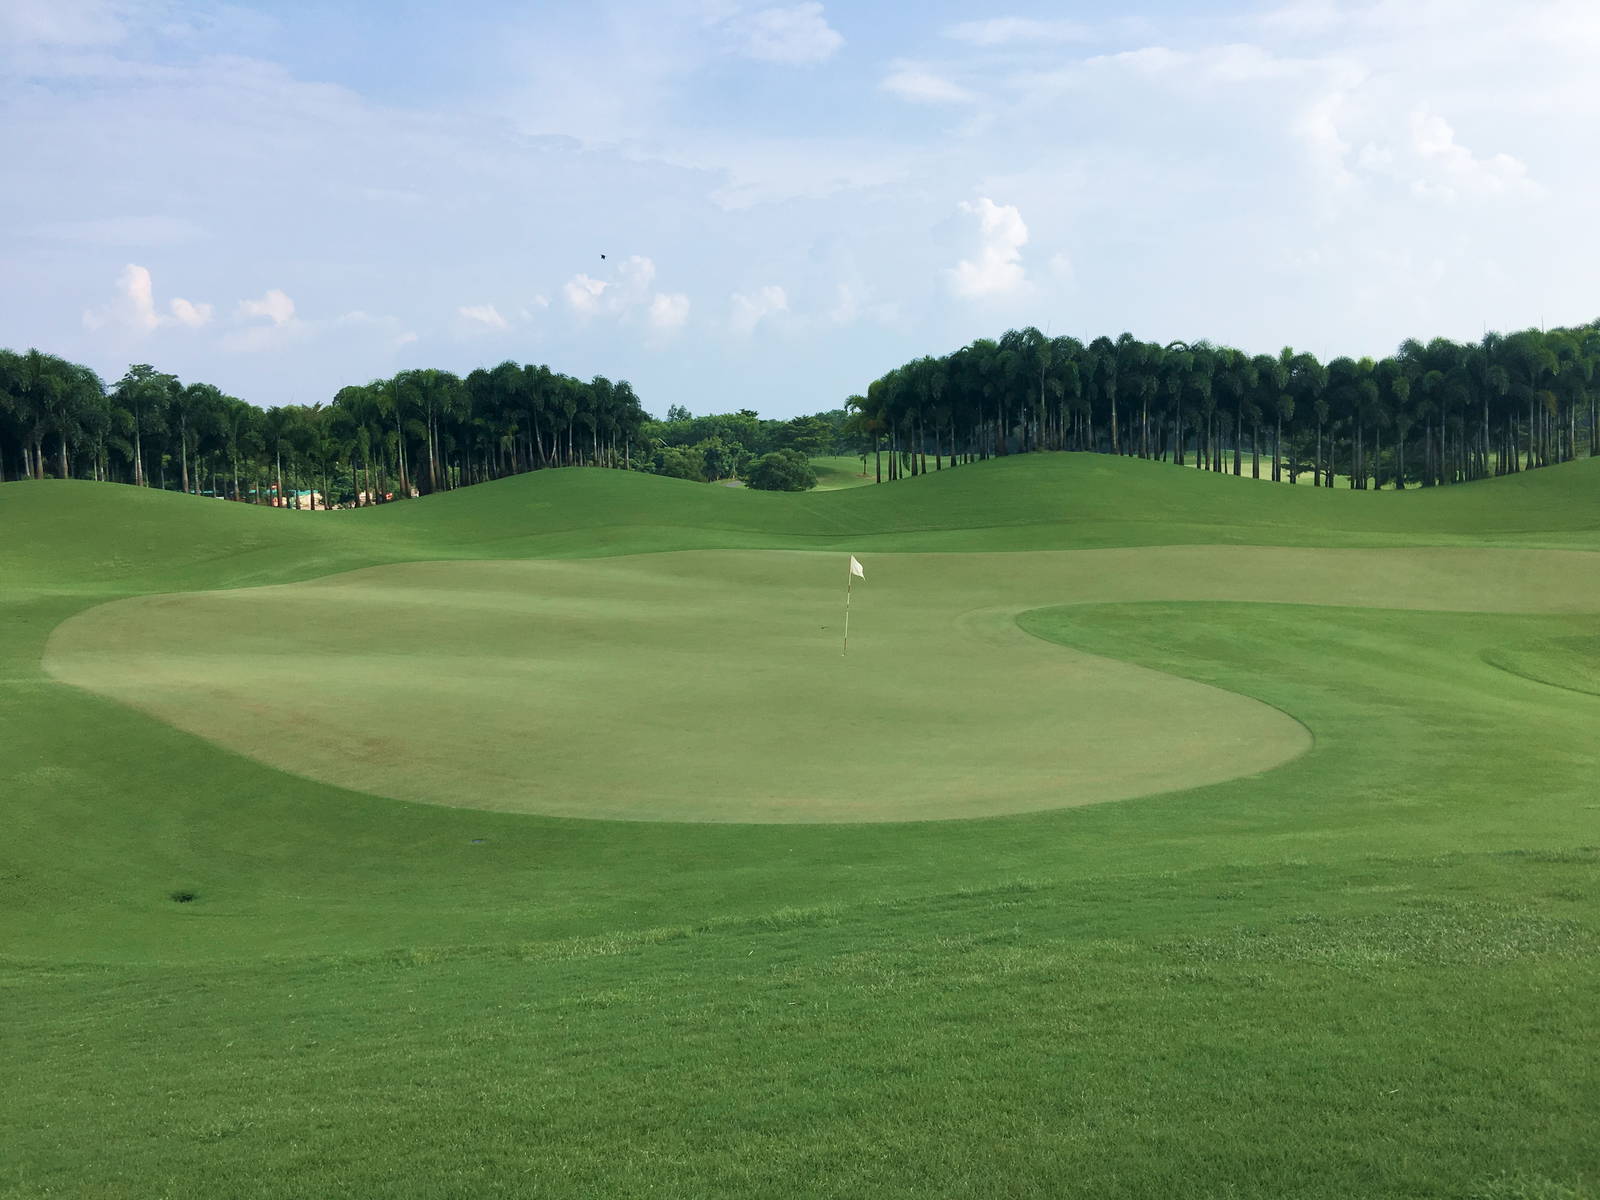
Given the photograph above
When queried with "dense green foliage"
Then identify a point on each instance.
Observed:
(421, 431)
(782, 471)
(1434, 413)
(725, 446)
(1367, 973)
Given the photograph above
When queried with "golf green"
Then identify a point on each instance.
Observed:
(711, 685)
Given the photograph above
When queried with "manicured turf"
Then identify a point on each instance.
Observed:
(842, 471)
(1367, 972)
(574, 688)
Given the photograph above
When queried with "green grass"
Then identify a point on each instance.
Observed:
(1367, 972)
(842, 471)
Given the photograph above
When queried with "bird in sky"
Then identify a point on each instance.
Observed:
(602, 258)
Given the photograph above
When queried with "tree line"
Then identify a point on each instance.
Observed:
(418, 432)
(768, 454)
(1432, 413)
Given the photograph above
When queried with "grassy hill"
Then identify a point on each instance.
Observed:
(1366, 972)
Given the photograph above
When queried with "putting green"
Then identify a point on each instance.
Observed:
(710, 685)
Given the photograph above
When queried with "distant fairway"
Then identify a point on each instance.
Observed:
(1332, 931)
(841, 471)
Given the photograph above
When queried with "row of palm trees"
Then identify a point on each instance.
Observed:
(1432, 413)
(421, 431)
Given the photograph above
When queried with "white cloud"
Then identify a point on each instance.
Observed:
(797, 35)
(584, 294)
(669, 311)
(750, 309)
(274, 305)
(921, 86)
(997, 266)
(283, 327)
(635, 274)
(621, 296)
(624, 295)
(1317, 128)
(1455, 168)
(484, 315)
(191, 315)
(134, 309)
(1002, 31)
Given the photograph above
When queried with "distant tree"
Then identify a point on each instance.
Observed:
(781, 471)
(810, 436)
(723, 460)
(679, 462)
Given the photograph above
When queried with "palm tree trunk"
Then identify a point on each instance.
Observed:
(138, 452)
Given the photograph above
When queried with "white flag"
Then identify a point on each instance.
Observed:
(855, 568)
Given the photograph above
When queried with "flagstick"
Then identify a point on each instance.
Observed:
(850, 578)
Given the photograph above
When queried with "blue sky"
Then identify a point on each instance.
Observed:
(792, 198)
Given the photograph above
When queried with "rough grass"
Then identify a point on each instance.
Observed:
(1368, 972)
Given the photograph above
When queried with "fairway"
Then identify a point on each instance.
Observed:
(569, 688)
(1331, 930)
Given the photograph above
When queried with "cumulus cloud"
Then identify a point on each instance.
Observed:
(282, 327)
(191, 315)
(134, 308)
(485, 316)
(750, 309)
(1003, 31)
(922, 86)
(1455, 169)
(669, 311)
(275, 306)
(623, 295)
(996, 268)
(584, 294)
(797, 35)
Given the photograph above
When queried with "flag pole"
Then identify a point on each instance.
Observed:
(849, 578)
